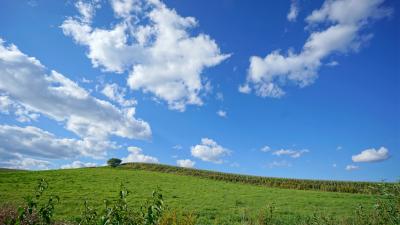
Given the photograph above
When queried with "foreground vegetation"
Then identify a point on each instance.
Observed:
(155, 212)
(78, 196)
(298, 184)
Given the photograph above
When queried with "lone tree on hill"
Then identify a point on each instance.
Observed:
(114, 162)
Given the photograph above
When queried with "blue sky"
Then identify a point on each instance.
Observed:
(301, 89)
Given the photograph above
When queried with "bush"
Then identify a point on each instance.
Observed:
(114, 162)
(117, 212)
(34, 211)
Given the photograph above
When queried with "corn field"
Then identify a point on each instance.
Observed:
(298, 184)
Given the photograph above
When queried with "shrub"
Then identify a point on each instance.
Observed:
(33, 206)
(34, 211)
(118, 213)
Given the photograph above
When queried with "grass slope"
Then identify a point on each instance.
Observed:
(299, 184)
(207, 198)
(8, 170)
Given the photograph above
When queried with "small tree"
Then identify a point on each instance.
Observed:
(114, 162)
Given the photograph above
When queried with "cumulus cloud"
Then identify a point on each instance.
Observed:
(293, 12)
(332, 63)
(28, 89)
(35, 142)
(124, 8)
(209, 151)
(78, 164)
(352, 167)
(87, 10)
(219, 96)
(372, 155)
(27, 82)
(5, 104)
(187, 163)
(135, 155)
(117, 94)
(177, 147)
(153, 43)
(337, 27)
(21, 113)
(266, 148)
(235, 165)
(19, 161)
(245, 89)
(349, 11)
(221, 113)
(290, 152)
(282, 163)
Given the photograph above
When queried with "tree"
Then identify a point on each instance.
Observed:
(114, 162)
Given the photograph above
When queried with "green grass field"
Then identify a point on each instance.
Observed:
(209, 199)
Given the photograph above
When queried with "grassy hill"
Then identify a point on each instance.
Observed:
(210, 199)
(289, 183)
(9, 170)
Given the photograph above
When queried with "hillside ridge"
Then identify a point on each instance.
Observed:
(289, 183)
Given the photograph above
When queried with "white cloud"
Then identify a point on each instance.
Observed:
(234, 165)
(266, 148)
(282, 163)
(28, 90)
(26, 81)
(340, 26)
(291, 153)
(35, 142)
(32, 3)
(221, 113)
(135, 155)
(339, 147)
(5, 104)
(187, 163)
(123, 8)
(86, 81)
(352, 167)
(334, 165)
(219, 96)
(22, 114)
(177, 147)
(117, 94)
(332, 63)
(19, 161)
(78, 164)
(348, 12)
(372, 155)
(87, 10)
(209, 151)
(293, 12)
(245, 89)
(152, 43)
